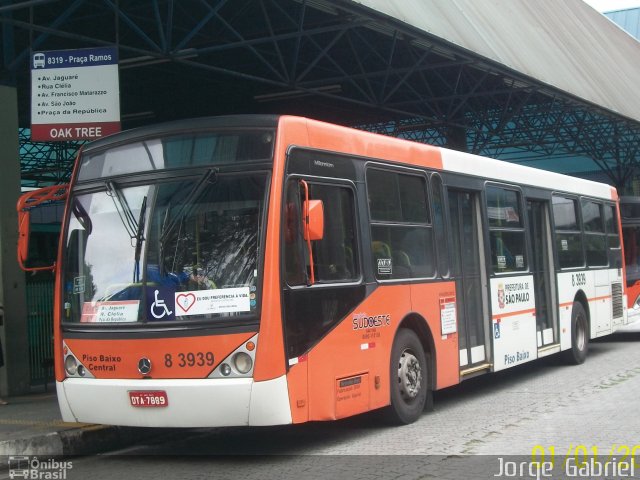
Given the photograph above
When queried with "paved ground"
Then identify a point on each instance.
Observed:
(544, 405)
(31, 425)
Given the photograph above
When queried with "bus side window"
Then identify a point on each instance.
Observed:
(401, 232)
(439, 225)
(506, 230)
(613, 236)
(295, 263)
(567, 232)
(595, 239)
(334, 256)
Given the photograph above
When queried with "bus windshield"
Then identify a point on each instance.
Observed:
(171, 251)
(177, 151)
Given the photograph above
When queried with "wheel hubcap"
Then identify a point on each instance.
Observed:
(409, 375)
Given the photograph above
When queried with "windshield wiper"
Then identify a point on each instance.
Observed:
(139, 240)
(123, 209)
(134, 228)
(209, 178)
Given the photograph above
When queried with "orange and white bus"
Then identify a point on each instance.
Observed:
(260, 270)
(630, 213)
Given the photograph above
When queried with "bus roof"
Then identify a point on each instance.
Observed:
(328, 136)
(409, 152)
(185, 126)
(512, 173)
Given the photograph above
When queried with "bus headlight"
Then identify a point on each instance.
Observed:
(71, 365)
(239, 363)
(243, 363)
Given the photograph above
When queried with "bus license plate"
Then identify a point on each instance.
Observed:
(148, 398)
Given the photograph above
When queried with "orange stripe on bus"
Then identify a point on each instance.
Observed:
(513, 314)
(614, 194)
(592, 299)
(335, 138)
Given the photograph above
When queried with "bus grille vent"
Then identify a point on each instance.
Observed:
(616, 299)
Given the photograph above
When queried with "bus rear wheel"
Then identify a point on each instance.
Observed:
(579, 336)
(409, 374)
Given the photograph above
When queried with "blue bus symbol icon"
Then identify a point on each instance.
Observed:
(18, 467)
(38, 60)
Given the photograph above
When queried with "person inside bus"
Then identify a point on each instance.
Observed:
(190, 278)
(198, 280)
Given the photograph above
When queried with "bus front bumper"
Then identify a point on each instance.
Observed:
(191, 402)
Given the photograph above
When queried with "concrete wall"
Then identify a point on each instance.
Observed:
(14, 377)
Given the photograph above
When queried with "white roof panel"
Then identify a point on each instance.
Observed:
(564, 44)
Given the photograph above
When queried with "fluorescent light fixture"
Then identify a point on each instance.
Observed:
(138, 115)
(444, 52)
(325, 7)
(286, 95)
(144, 60)
(513, 83)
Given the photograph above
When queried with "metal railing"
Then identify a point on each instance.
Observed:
(40, 325)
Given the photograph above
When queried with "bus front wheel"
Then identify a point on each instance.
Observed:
(579, 335)
(409, 374)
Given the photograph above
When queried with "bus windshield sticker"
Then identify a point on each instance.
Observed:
(222, 300)
(519, 261)
(160, 303)
(384, 266)
(448, 316)
(502, 261)
(564, 245)
(513, 295)
(78, 284)
(110, 312)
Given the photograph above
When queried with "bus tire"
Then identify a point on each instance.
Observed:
(409, 374)
(579, 336)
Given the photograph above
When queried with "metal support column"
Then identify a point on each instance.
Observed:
(14, 376)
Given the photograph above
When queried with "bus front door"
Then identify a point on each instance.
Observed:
(542, 269)
(471, 283)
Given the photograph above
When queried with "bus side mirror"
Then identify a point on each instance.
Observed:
(27, 201)
(314, 225)
(24, 219)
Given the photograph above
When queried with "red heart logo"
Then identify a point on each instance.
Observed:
(185, 301)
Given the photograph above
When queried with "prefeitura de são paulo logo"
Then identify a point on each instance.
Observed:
(501, 295)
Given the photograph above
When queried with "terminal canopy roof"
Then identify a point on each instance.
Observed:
(552, 84)
(566, 44)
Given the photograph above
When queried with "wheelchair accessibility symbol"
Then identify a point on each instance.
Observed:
(496, 330)
(159, 308)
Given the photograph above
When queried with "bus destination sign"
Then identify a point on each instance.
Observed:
(74, 94)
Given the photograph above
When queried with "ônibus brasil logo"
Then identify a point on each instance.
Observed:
(22, 466)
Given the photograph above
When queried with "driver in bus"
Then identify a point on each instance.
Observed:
(191, 278)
